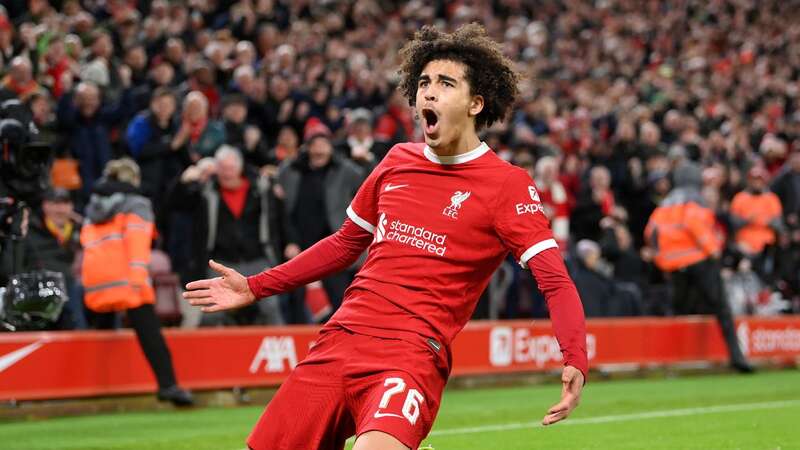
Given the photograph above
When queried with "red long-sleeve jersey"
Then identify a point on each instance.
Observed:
(436, 229)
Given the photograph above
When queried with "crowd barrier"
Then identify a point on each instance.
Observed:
(51, 365)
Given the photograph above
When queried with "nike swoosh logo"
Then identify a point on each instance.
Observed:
(16, 356)
(389, 187)
(378, 415)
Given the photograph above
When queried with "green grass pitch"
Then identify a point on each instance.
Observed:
(700, 412)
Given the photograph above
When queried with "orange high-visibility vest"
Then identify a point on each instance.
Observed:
(758, 210)
(116, 256)
(682, 234)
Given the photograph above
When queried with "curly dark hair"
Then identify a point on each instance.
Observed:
(489, 73)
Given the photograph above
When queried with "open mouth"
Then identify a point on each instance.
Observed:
(430, 120)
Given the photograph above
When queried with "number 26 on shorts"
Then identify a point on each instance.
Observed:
(410, 406)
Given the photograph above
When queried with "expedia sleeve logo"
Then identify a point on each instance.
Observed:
(530, 208)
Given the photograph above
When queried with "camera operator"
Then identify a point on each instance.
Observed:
(32, 300)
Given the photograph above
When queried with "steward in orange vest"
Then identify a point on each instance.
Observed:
(681, 232)
(116, 240)
(757, 214)
(681, 229)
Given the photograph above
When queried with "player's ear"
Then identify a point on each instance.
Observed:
(476, 105)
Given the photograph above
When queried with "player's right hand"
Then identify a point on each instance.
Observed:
(228, 291)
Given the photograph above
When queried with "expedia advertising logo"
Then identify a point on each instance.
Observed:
(509, 346)
(411, 235)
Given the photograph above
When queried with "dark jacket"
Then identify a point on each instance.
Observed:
(89, 138)
(43, 251)
(149, 144)
(204, 203)
(341, 182)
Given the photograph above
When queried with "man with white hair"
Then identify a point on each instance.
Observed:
(19, 83)
(235, 219)
(198, 135)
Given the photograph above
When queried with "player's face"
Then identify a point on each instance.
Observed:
(444, 104)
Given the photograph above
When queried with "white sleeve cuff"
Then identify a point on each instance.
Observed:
(535, 249)
(359, 221)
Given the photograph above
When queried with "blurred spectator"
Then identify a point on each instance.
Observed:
(151, 141)
(360, 145)
(681, 232)
(236, 222)
(87, 119)
(397, 123)
(595, 202)
(287, 147)
(786, 186)
(601, 295)
(553, 197)
(198, 136)
(756, 215)
(41, 107)
(52, 243)
(19, 83)
(202, 78)
(242, 135)
(319, 186)
(116, 239)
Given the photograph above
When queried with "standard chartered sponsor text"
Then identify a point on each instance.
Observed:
(418, 237)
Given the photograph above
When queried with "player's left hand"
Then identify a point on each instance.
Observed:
(228, 291)
(571, 387)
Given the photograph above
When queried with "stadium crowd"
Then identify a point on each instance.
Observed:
(253, 123)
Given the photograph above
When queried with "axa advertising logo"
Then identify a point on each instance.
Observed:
(509, 345)
(456, 200)
(411, 235)
(275, 353)
(530, 208)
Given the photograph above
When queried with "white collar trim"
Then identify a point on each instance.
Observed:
(457, 159)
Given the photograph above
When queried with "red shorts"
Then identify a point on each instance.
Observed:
(350, 384)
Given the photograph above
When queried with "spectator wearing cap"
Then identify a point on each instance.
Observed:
(360, 145)
(319, 185)
(52, 243)
(241, 134)
(756, 215)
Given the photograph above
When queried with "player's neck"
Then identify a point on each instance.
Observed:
(466, 142)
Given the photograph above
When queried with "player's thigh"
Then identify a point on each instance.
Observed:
(396, 388)
(378, 440)
(309, 410)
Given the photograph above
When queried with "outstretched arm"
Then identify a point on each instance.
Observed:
(566, 315)
(232, 290)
